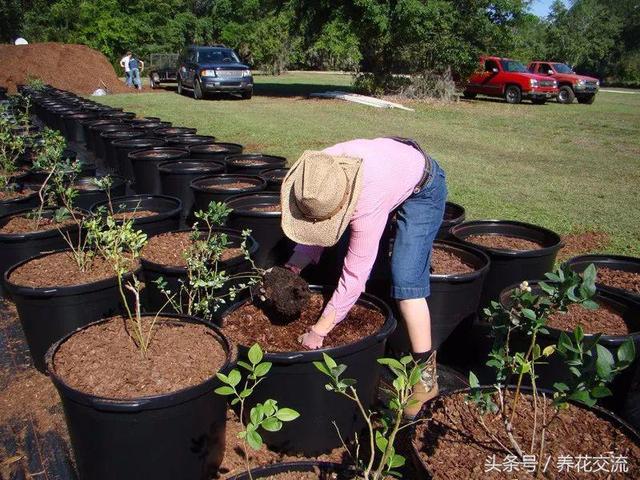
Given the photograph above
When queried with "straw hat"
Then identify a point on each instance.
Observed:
(319, 195)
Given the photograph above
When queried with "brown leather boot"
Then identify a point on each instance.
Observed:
(426, 389)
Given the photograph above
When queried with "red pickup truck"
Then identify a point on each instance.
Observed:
(571, 84)
(502, 77)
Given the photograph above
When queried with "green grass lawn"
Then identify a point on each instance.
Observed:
(569, 168)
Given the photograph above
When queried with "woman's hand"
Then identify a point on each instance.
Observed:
(314, 338)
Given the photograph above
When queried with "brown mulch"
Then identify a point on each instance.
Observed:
(454, 444)
(267, 208)
(133, 214)
(619, 279)
(20, 224)
(103, 359)
(603, 320)
(583, 243)
(60, 270)
(249, 324)
(445, 262)
(229, 186)
(247, 162)
(50, 63)
(13, 194)
(504, 242)
(169, 249)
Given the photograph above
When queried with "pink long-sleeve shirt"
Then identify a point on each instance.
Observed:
(390, 172)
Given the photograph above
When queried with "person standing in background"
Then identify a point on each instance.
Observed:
(135, 67)
(124, 63)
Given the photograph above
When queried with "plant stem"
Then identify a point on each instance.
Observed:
(520, 377)
(367, 418)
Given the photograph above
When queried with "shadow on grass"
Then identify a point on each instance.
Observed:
(295, 89)
(502, 101)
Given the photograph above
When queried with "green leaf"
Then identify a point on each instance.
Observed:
(287, 414)
(590, 305)
(626, 352)
(589, 274)
(414, 376)
(322, 367)
(246, 392)
(473, 380)
(583, 396)
(604, 362)
(548, 350)
(255, 354)
(392, 362)
(245, 365)
(396, 461)
(381, 442)
(234, 378)
(600, 391)
(222, 377)
(254, 439)
(578, 334)
(271, 424)
(225, 390)
(528, 313)
(330, 362)
(262, 369)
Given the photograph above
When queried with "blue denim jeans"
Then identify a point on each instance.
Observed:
(135, 77)
(127, 78)
(417, 222)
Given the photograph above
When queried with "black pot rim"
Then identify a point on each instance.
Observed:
(558, 243)
(60, 291)
(150, 402)
(17, 200)
(603, 259)
(457, 219)
(305, 356)
(118, 181)
(176, 153)
(249, 178)
(609, 416)
(132, 132)
(122, 143)
(151, 218)
(282, 467)
(253, 213)
(611, 298)
(158, 131)
(19, 237)
(463, 277)
(230, 159)
(165, 167)
(232, 146)
(159, 267)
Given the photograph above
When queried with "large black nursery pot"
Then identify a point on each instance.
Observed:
(274, 178)
(111, 154)
(327, 470)
(253, 163)
(125, 147)
(275, 247)
(187, 140)
(614, 262)
(214, 151)
(169, 131)
(119, 115)
(142, 122)
(99, 148)
(165, 219)
(73, 125)
(454, 298)
(454, 214)
(296, 383)
(90, 193)
(87, 125)
(16, 247)
(176, 177)
(510, 267)
(49, 313)
(214, 188)
(145, 166)
(150, 127)
(177, 435)
(173, 276)
(24, 202)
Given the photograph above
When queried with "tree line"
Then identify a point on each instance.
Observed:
(378, 36)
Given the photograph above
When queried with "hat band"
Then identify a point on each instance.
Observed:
(315, 218)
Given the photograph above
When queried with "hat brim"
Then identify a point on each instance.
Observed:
(324, 233)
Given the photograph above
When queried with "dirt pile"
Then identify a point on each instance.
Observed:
(76, 68)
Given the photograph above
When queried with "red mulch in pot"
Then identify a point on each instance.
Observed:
(603, 320)
(267, 208)
(249, 324)
(583, 243)
(60, 270)
(169, 248)
(504, 242)
(20, 225)
(103, 360)
(454, 445)
(134, 214)
(619, 279)
(446, 262)
(246, 162)
(13, 194)
(229, 186)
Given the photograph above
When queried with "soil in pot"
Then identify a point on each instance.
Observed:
(604, 320)
(103, 360)
(504, 242)
(22, 224)
(447, 262)
(453, 444)
(168, 249)
(229, 186)
(15, 194)
(284, 293)
(249, 324)
(267, 208)
(133, 214)
(610, 277)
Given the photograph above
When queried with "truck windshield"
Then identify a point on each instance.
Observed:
(562, 68)
(217, 56)
(513, 66)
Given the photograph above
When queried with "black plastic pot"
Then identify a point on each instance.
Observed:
(99, 141)
(125, 147)
(207, 189)
(150, 127)
(89, 193)
(47, 314)
(275, 247)
(156, 300)
(296, 383)
(168, 212)
(453, 215)
(422, 470)
(164, 132)
(214, 151)
(334, 471)
(17, 247)
(453, 298)
(73, 125)
(187, 140)
(86, 128)
(145, 166)
(614, 262)
(111, 154)
(178, 435)
(253, 163)
(274, 178)
(21, 203)
(176, 177)
(37, 177)
(120, 115)
(143, 122)
(509, 267)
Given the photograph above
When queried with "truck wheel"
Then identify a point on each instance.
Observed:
(197, 90)
(566, 95)
(247, 95)
(469, 95)
(587, 99)
(513, 94)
